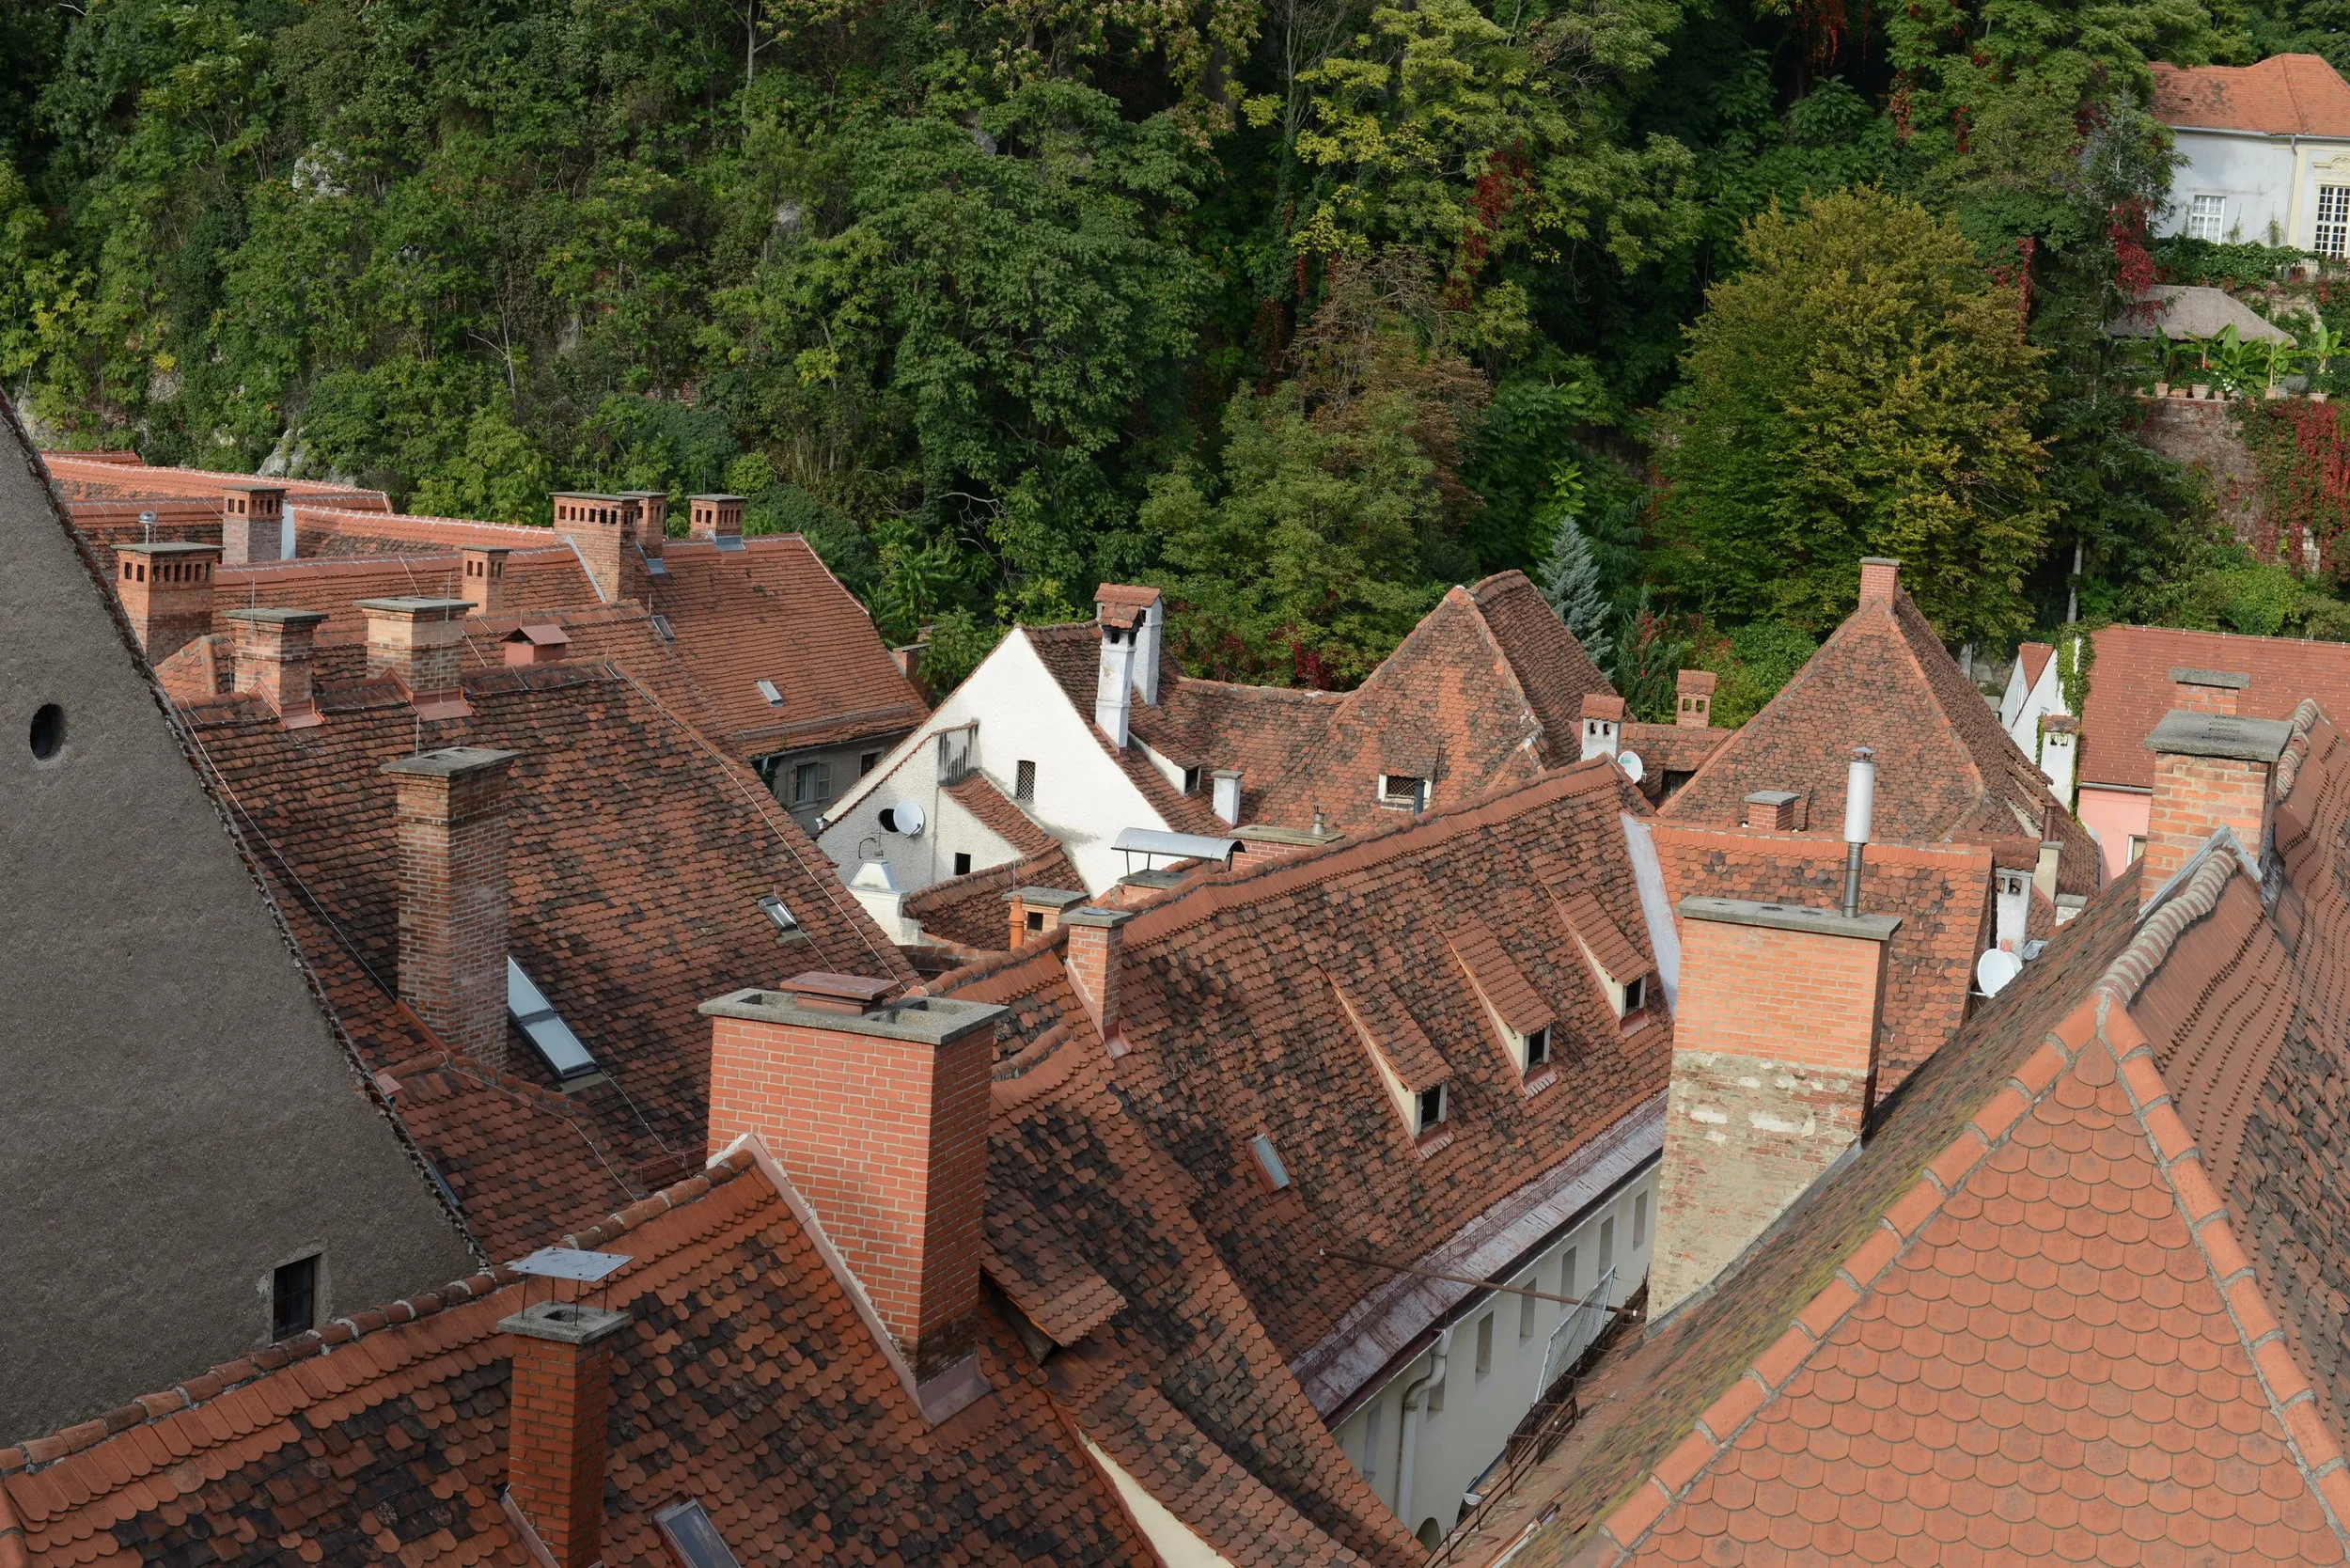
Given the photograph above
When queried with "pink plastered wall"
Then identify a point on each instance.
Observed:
(2116, 816)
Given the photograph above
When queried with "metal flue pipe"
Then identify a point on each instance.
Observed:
(1860, 807)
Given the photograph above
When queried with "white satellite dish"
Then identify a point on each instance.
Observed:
(905, 818)
(1633, 767)
(1995, 968)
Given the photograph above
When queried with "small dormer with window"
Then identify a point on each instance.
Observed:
(1624, 975)
(1524, 1022)
(1418, 1079)
(1403, 792)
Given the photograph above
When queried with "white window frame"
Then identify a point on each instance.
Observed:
(2207, 218)
(2332, 237)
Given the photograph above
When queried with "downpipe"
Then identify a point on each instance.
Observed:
(1415, 1394)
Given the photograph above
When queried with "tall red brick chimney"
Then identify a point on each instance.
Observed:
(604, 529)
(252, 521)
(481, 579)
(415, 643)
(450, 807)
(166, 592)
(558, 1406)
(1775, 1059)
(1092, 959)
(712, 518)
(1880, 580)
(877, 1109)
(1695, 688)
(2211, 770)
(275, 655)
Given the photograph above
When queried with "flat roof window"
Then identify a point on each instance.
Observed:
(293, 1298)
(553, 1039)
(686, 1526)
(773, 909)
(661, 629)
(767, 690)
(1277, 1175)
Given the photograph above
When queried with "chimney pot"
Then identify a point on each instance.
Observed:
(881, 1119)
(481, 577)
(1772, 811)
(251, 523)
(1140, 613)
(1603, 725)
(712, 518)
(1880, 580)
(450, 811)
(2210, 771)
(166, 595)
(1774, 1071)
(1035, 912)
(1695, 688)
(275, 656)
(562, 1400)
(1092, 959)
(2208, 691)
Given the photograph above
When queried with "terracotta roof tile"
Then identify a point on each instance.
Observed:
(2130, 688)
(2285, 95)
(78, 477)
(1602, 939)
(1498, 979)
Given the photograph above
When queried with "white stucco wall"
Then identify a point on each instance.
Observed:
(1177, 1544)
(2269, 183)
(1457, 1443)
(1081, 798)
(2022, 708)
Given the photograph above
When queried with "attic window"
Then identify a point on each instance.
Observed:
(1024, 781)
(1613, 960)
(1537, 1049)
(661, 629)
(1411, 1070)
(1402, 791)
(784, 919)
(1191, 781)
(1430, 1110)
(1636, 993)
(1277, 1175)
(767, 690)
(293, 1298)
(553, 1039)
(686, 1526)
(1518, 1013)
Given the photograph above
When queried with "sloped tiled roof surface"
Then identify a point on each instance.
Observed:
(1946, 771)
(1942, 894)
(2130, 688)
(2285, 95)
(544, 580)
(970, 912)
(77, 479)
(1484, 693)
(746, 1380)
(331, 532)
(178, 521)
(771, 611)
(638, 854)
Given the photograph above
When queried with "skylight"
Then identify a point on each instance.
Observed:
(767, 690)
(1277, 1175)
(663, 629)
(773, 908)
(686, 1526)
(553, 1039)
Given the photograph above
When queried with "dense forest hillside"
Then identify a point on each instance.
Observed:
(1302, 308)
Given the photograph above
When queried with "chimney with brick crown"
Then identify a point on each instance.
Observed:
(275, 661)
(877, 1108)
(653, 519)
(558, 1406)
(1092, 959)
(481, 578)
(251, 523)
(1141, 614)
(1774, 1070)
(1603, 725)
(1695, 688)
(2206, 691)
(2211, 770)
(710, 518)
(1035, 912)
(415, 643)
(1771, 811)
(604, 529)
(167, 593)
(1880, 580)
(449, 809)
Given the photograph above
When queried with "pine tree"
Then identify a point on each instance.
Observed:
(1570, 581)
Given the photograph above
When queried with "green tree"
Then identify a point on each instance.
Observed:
(1570, 585)
(1865, 388)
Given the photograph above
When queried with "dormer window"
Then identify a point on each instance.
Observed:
(1621, 970)
(1402, 791)
(1415, 1076)
(1536, 1049)
(1191, 781)
(1519, 1017)
(1430, 1103)
(1636, 994)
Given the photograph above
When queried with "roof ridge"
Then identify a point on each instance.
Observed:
(2297, 750)
(2158, 932)
(38, 1452)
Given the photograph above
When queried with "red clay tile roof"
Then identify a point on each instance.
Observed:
(540, 581)
(1485, 692)
(746, 1380)
(2130, 689)
(76, 478)
(1946, 771)
(2033, 657)
(1387, 1025)
(969, 911)
(330, 532)
(1497, 979)
(1942, 893)
(1670, 748)
(2285, 95)
(176, 521)
(1000, 816)
(1593, 926)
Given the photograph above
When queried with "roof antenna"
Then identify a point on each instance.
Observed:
(1860, 807)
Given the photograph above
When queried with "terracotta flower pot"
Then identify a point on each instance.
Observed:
(2202, 390)
(2162, 389)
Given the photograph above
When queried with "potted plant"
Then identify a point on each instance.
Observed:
(2319, 345)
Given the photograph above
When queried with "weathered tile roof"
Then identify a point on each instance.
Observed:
(1484, 693)
(2285, 95)
(177, 520)
(2130, 688)
(2079, 1297)
(329, 531)
(1943, 894)
(1946, 771)
(546, 579)
(77, 477)
(746, 1380)
(969, 911)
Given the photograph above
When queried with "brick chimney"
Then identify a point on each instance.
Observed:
(1140, 613)
(1880, 580)
(712, 518)
(1603, 725)
(276, 649)
(2211, 770)
(1696, 689)
(1774, 1070)
(483, 580)
(1035, 912)
(558, 1409)
(450, 807)
(653, 519)
(251, 523)
(604, 529)
(1771, 811)
(2207, 691)
(1092, 960)
(415, 643)
(878, 1111)
(166, 592)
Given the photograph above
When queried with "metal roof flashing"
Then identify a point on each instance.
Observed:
(1791, 917)
(932, 1020)
(2187, 733)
